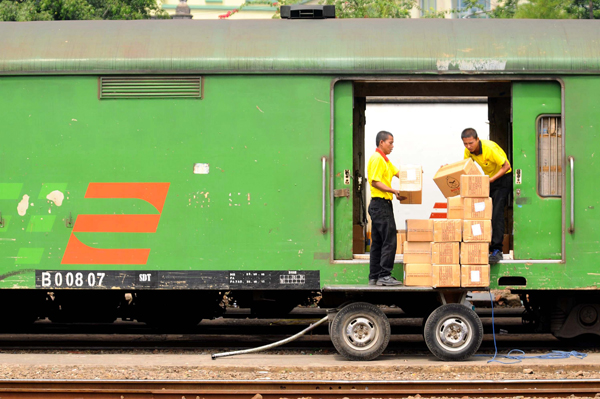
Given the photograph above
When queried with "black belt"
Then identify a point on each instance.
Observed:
(381, 199)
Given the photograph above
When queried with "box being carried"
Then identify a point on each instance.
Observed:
(477, 231)
(419, 230)
(417, 252)
(412, 197)
(475, 276)
(417, 275)
(474, 253)
(447, 230)
(475, 186)
(445, 253)
(447, 177)
(445, 276)
(477, 209)
(411, 184)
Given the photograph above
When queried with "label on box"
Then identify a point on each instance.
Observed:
(476, 229)
(411, 175)
(479, 206)
(475, 276)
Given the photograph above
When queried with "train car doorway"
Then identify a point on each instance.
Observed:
(522, 118)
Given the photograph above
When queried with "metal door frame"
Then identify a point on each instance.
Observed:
(432, 79)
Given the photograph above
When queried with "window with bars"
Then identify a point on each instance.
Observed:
(475, 12)
(549, 157)
(428, 6)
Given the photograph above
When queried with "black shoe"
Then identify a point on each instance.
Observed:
(388, 281)
(372, 281)
(495, 257)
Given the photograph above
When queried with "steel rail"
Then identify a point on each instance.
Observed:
(141, 389)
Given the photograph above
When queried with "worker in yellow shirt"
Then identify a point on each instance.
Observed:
(495, 164)
(383, 226)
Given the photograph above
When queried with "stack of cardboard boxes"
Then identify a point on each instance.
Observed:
(477, 229)
(417, 252)
(452, 252)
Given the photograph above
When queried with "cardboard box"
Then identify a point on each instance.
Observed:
(477, 208)
(358, 239)
(475, 276)
(506, 244)
(447, 177)
(411, 178)
(411, 184)
(412, 197)
(400, 238)
(474, 186)
(358, 246)
(477, 231)
(455, 207)
(445, 253)
(474, 253)
(419, 230)
(417, 275)
(447, 230)
(417, 252)
(445, 275)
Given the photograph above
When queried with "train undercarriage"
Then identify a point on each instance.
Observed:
(359, 329)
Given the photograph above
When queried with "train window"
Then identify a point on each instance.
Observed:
(549, 159)
(118, 87)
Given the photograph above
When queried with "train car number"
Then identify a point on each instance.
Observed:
(72, 279)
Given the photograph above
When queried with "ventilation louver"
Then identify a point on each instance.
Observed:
(150, 87)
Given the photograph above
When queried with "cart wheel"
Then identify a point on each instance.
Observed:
(360, 331)
(453, 332)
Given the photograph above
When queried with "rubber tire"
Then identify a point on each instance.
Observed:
(456, 311)
(377, 319)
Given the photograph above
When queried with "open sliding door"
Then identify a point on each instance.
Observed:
(342, 171)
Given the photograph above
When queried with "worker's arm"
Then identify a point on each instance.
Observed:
(382, 187)
(501, 172)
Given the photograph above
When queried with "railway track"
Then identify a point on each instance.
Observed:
(66, 389)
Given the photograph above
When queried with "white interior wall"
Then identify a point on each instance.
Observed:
(427, 135)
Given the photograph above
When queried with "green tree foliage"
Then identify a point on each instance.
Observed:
(546, 9)
(372, 8)
(543, 9)
(506, 9)
(580, 9)
(59, 10)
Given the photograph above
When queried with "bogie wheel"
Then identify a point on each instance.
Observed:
(453, 332)
(360, 331)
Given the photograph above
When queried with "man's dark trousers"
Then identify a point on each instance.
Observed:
(499, 191)
(383, 238)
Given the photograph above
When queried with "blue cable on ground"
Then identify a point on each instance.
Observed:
(521, 354)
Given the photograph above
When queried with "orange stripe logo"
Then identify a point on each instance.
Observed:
(78, 253)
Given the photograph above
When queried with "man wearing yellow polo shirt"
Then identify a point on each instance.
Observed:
(494, 163)
(383, 226)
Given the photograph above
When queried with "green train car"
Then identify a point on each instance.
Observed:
(149, 167)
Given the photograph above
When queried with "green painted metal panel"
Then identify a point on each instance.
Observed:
(537, 220)
(343, 161)
(10, 190)
(309, 46)
(580, 271)
(582, 100)
(258, 208)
